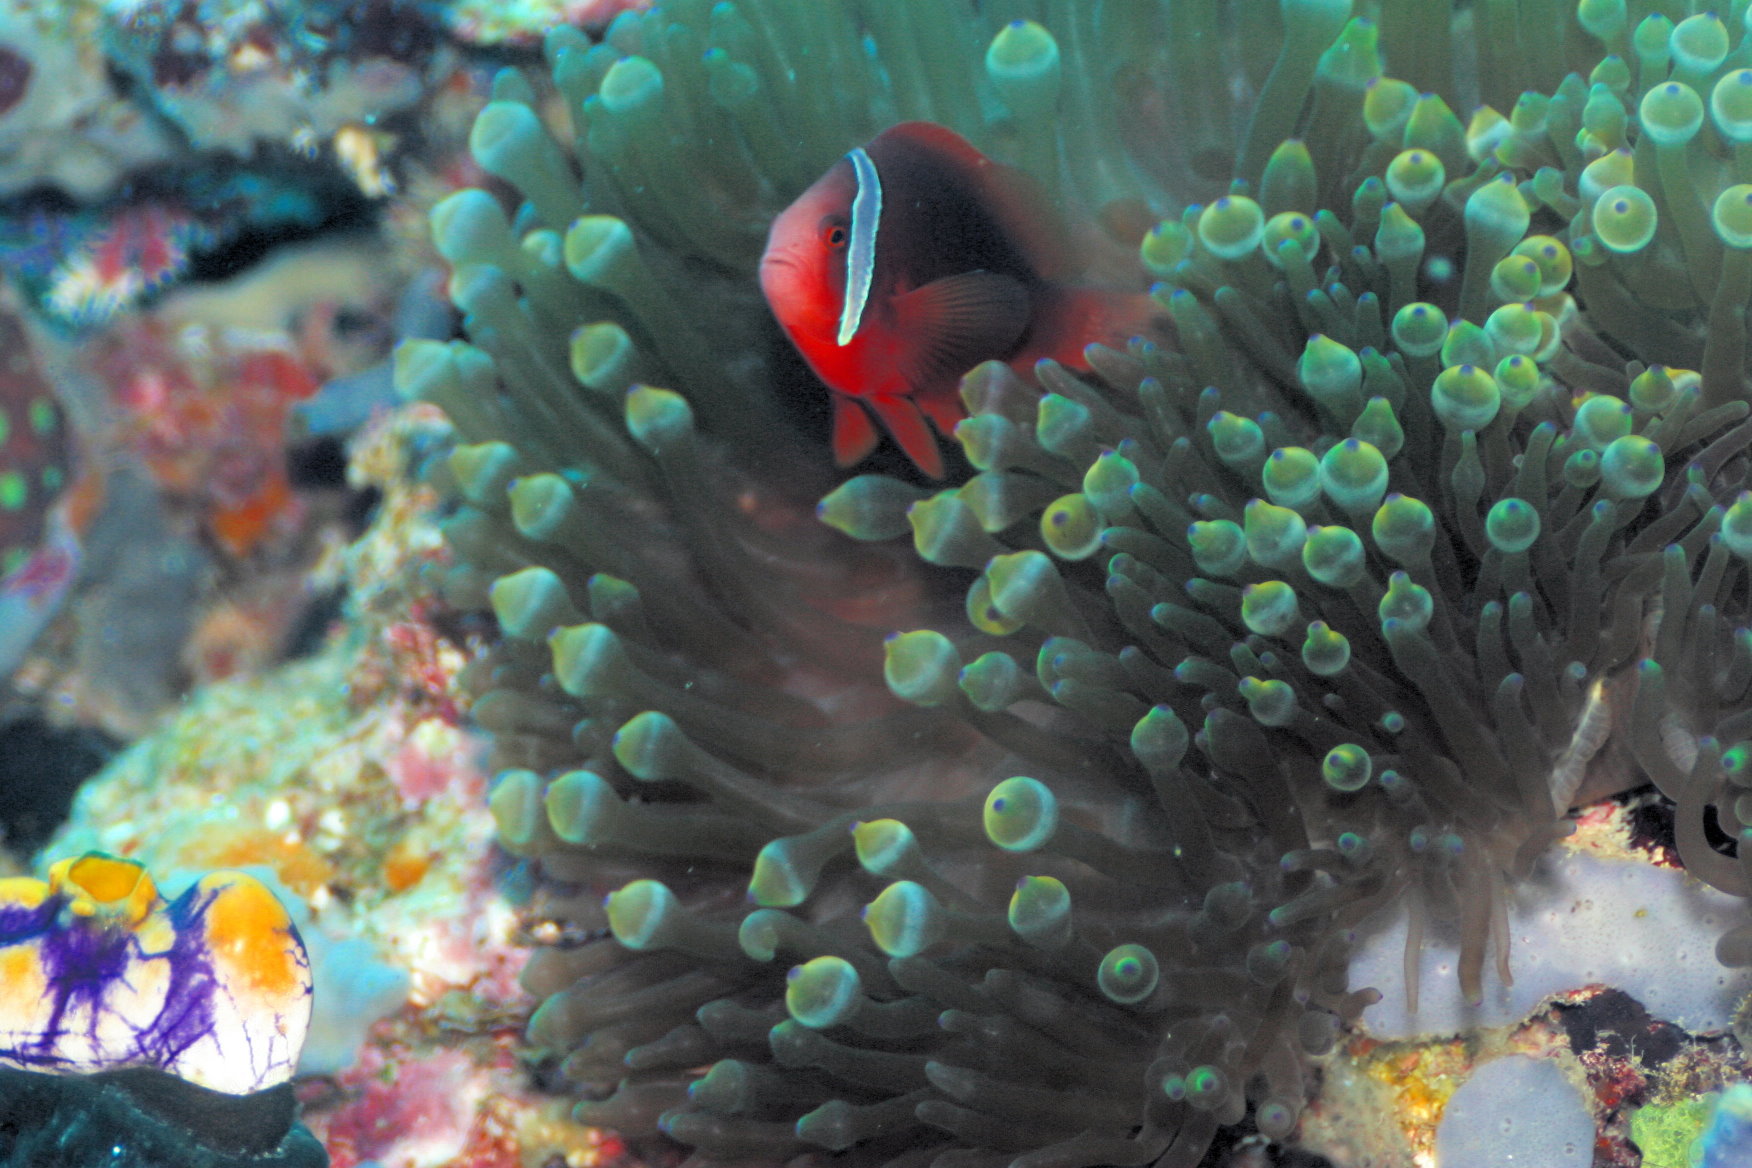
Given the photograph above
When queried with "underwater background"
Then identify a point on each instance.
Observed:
(1314, 731)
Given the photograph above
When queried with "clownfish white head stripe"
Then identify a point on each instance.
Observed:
(861, 248)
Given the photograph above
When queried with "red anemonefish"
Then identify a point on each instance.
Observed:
(914, 259)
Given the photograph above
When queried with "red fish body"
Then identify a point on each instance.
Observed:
(909, 262)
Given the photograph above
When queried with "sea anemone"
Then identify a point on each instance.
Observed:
(1423, 521)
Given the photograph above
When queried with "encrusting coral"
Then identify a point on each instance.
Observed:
(1428, 522)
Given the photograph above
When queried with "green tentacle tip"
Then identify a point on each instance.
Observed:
(983, 613)
(1387, 105)
(1061, 424)
(947, 532)
(1556, 265)
(784, 873)
(1231, 227)
(1023, 65)
(1329, 370)
(531, 603)
(886, 846)
(1515, 279)
(1465, 397)
(1165, 246)
(1415, 178)
(598, 249)
(1326, 651)
(823, 992)
(603, 357)
(1407, 602)
(905, 919)
(1737, 526)
(1022, 584)
(631, 83)
(1109, 481)
(870, 507)
(922, 667)
(1519, 328)
(1274, 534)
(1497, 210)
(588, 660)
(1238, 441)
(1602, 420)
(1730, 105)
(1379, 426)
(1288, 183)
(1671, 113)
(639, 913)
(1346, 767)
(484, 471)
(1270, 702)
(1267, 962)
(1732, 216)
(1518, 381)
(1354, 476)
(1512, 525)
(1654, 389)
(1334, 556)
(761, 932)
(1128, 974)
(1737, 764)
(658, 418)
(581, 808)
(1602, 19)
(1159, 740)
(470, 227)
(1071, 527)
(651, 747)
(1582, 468)
(1405, 529)
(993, 681)
(1632, 467)
(1291, 476)
(1206, 1087)
(1219, 547)
(1269, 608)
(1467, 344)
(1419, 329)
(542, 505)
(1040, 911)
(1625, 218)
(1699, 43)
(1021, 814)
(1288, 233)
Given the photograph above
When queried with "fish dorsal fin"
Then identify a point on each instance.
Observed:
(1024, 210)
(957, 322)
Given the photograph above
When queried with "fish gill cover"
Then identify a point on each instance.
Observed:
(1426, 521)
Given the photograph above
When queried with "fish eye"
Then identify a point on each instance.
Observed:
(834, 233)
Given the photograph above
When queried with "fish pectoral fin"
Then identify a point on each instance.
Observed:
(854, 435)
(954, 323)
(903, 420)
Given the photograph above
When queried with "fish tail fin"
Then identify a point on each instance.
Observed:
(854, 434)
(904, 421)
(1079, 317)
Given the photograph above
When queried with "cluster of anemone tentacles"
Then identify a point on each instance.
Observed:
(1424, 522)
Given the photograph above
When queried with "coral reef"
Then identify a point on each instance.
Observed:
(348, 779)
(1428, 523)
